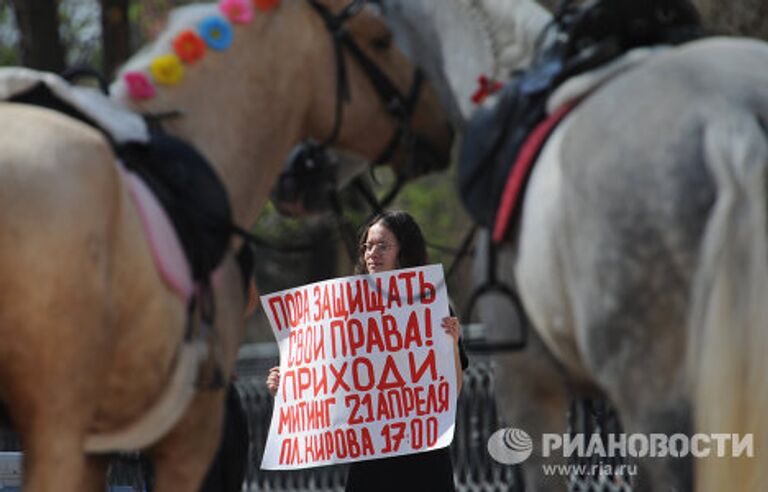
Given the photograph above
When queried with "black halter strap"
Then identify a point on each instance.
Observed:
(399, 106)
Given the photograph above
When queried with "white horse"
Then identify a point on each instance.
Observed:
(640, 256)
(91, 334)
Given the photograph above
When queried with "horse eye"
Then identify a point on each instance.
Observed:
(382, 43)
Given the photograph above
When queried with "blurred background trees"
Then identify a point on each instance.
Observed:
(54, 34)
(39, 40)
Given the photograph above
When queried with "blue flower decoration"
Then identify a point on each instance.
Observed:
(217, 33)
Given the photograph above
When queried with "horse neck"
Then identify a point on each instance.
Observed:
(243, 108)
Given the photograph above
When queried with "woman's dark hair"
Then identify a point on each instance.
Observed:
(413, 249)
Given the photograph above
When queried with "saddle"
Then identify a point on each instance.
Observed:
(179, 177)
(580, 38)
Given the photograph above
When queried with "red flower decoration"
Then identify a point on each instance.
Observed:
(485, 87)
(265, 5)
(189, 46)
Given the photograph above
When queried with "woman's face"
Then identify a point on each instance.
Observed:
(380, 249)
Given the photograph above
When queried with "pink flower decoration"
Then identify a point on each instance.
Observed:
(139, 85)
(237, 11)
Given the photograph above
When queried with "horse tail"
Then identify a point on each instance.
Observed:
(728, 331)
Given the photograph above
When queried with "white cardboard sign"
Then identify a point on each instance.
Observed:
(366, 369)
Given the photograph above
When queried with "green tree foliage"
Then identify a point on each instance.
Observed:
(73, 38)
(9, 36)
(81, 32)
(434, 202)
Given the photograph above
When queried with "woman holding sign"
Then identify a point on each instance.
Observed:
(392, 241)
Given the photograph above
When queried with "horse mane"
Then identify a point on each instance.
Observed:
(481, 17)
(513, 28)
(179, 19)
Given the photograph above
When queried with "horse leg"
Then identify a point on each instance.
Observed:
(229, 467)
(51, 375)
(181, 459)
(52, 407)
(631, 328)
(646, 386)
(632, 337)
(62, 467)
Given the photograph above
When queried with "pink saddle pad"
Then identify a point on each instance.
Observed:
(167, 252)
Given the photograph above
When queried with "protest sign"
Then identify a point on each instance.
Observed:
(366, 369)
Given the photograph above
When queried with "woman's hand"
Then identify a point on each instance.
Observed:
(452, 327)
(273, 380)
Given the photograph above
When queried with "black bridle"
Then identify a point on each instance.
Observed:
(398, 105)
(310, 163)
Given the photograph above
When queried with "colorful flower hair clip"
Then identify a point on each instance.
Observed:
(139, 86)
(265, 5)
(189, 46)
(237, 11)
(167, 69)
(216, 32)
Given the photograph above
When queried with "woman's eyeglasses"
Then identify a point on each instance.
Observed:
(369, 247)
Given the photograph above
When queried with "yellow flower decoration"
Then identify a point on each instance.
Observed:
(167, 69)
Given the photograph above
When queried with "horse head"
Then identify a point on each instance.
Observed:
(315, 71)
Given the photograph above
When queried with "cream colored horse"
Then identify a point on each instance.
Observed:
(90, 334)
